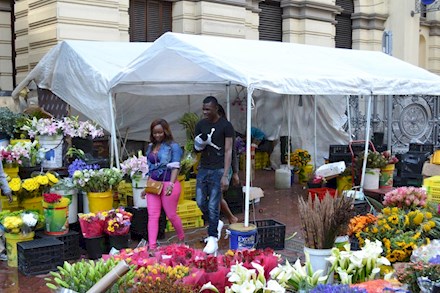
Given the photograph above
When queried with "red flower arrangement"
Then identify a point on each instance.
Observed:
(92, 225)
(51, 197)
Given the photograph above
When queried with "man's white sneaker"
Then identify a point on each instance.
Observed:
(219, 229)
(211, 245)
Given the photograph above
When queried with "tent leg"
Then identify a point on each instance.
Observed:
(367, 138)
(248, 154)
(113, 133)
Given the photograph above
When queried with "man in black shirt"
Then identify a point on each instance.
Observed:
(214, 140)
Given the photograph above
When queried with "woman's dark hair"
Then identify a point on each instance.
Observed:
(166, 130)
(221, 111)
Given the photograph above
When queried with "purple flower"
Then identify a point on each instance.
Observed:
(435, 260)
(337, 289)
(240, 145)
(79, 165)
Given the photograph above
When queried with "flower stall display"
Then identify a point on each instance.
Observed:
(98, 184)
(407, 198)
(137, 169)
(401, 231)
(56, 213)
(375, 162)
(300, 160)
(50, 133)
(354, 267)
(19, 226)
(117, 226)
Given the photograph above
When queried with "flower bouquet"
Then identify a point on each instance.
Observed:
(32, 154)
(32, 187)
(79, 165)
(100, 180)
(408, 198)
(135, 166)
(300, 158)
(391, 159)
(117, 222)
(20, 222)
(92, 225)
(55, 200)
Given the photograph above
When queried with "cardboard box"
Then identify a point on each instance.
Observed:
(430, 169)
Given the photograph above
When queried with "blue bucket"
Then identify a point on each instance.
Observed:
(242, 237)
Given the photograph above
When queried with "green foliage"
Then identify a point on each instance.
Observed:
(8, 120)
(82, 275)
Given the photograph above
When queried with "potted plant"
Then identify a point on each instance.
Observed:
(137, 168)
(375, 162)
(387, 172)
(9, 120)
(300, 159)
(19, 226)
(66, 188)
(98, 184)
(55, 209)
(322, 221)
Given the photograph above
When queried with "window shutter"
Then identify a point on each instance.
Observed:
(149, 19)
(271, 24)
(343, 38)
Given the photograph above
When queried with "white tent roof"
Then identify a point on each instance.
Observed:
(86, 73)
(284, 68)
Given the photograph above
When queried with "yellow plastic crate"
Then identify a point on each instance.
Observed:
(432, 181)
(261, 160)
(188, 208)
(189, 192)
(187, 223)
(6, 205)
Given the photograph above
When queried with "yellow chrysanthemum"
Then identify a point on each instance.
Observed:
(426, 227)
(431, 224)
(15, 184)
(52, 178)
(30, 184)
(386, 211)
(42, 179)
(418, 219)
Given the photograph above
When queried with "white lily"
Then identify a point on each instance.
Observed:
(209, 286)
(274, 286)
(247, 287)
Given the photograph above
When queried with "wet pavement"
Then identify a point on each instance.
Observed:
(279, 205)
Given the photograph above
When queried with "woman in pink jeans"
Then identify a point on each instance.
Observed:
(163, 156)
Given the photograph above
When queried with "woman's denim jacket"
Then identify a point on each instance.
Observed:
(169, 156)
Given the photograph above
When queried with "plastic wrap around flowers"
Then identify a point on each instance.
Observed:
(20, 222)
(92, 225)
(117, 222)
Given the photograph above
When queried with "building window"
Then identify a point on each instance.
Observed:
(343, 38)
(149, 19)
(271, 23)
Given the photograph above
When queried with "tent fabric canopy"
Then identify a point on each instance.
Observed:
(86, 73)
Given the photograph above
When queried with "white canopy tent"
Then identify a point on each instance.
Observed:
(189, 64)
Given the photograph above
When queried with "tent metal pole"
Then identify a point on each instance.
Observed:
(228, 102)
(347, 99)
(315, 148)
(113, 131)
(367, 139)
(389, 121)
(248, 154)
(289, 129)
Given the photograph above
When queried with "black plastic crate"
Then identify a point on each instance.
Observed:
(139, 222)
(270, 234)
(339, 149)
(39, 256)
(421, 148)
(409, 180)
(347, 158)
(71, 248)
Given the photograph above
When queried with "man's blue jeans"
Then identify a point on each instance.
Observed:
(208, 196)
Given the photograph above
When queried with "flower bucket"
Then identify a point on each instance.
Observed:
(56, 219)
(386, 175)
(341, 241)
(119, 241)
(318, 259)
(139, 183)
(100, 201)
(344, 183)
(95, 247)
(85, 203)
(304, 173)
(17, 140)
(371, 180)
(11, 246)
(33, 204)
(242, 237)
(72, 195)
(11, 170)
(54, 151)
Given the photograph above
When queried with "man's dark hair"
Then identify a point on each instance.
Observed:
(210, 99)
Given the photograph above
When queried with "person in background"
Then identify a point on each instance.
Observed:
(263, 144)
(6, 191)
(163, 157)
(214, 135)
(224, 207)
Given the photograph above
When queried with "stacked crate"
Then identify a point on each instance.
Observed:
(261, 161)
(189, 213)
(432, 186)
(188, 190)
